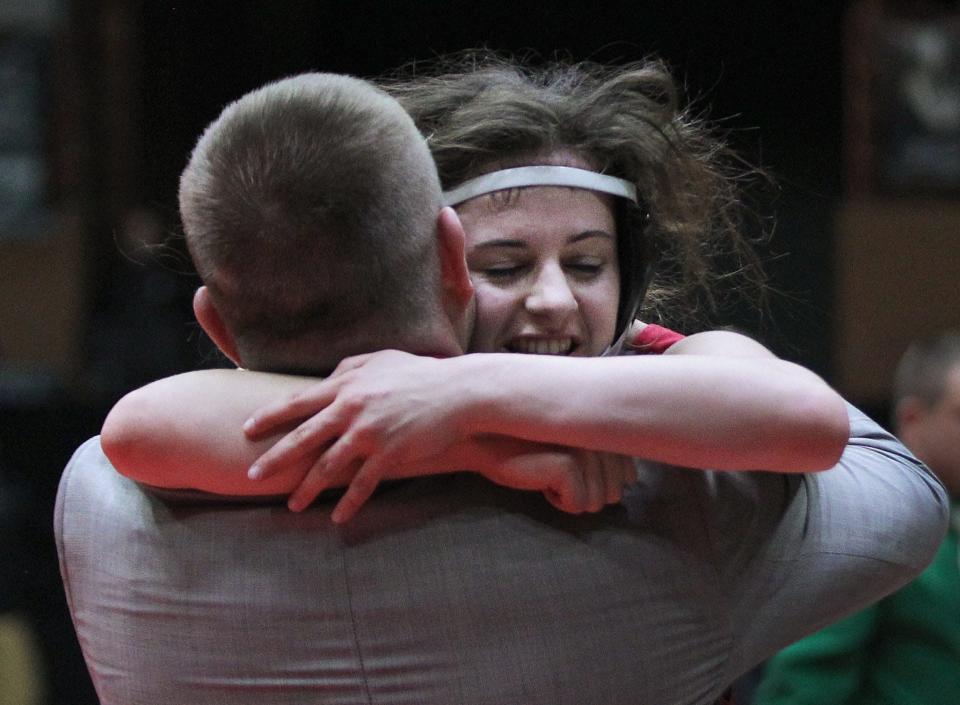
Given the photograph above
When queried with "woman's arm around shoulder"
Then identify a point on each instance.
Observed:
(186, 431)
(715, 400)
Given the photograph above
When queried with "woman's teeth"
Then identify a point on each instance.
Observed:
(542, 347)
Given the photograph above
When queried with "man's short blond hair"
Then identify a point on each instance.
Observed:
(924, 368)
(309, 207)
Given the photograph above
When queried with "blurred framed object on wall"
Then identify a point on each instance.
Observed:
(23, 158)
(902, 99)
(41, 233)
(26, 31)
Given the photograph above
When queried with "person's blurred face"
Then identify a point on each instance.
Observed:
(543, 261)
(934, 434)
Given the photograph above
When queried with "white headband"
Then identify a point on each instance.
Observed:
(539, 176)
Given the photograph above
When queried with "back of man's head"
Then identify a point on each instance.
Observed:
(923, 370)
(926, 400)
(309, 208)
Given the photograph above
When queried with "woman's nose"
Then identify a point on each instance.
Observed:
(550, 294)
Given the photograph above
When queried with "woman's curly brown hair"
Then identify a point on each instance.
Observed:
(482, 111)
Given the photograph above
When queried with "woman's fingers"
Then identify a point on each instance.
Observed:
(556, 500)
(310, 487)
(306, 438)
(350, 363)
(613, 477)
(567, 490)
(592, 470)
(361, 488)
(337, 466)
(606, 474)
(317, 479)
(574, 482)
(300, 405)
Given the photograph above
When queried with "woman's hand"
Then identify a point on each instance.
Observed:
(375, 412)
(572, 480)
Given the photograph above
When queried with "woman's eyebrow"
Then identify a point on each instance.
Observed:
(591, 233)
(521, 244)
(500, 242)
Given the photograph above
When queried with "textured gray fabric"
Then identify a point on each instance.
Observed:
(453, 591)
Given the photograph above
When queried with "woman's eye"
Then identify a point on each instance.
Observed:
(504, 271)
(586, 268)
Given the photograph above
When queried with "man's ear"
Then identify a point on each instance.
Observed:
(457, 287)
(209, 319)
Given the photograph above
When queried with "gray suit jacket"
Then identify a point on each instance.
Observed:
(453, 591)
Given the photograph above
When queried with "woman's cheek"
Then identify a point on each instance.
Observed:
(610, 305)
(493, 311)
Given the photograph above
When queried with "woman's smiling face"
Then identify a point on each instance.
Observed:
(543, 260)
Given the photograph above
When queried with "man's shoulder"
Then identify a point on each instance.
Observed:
(87, 461)
(89, 450)
(89, 474)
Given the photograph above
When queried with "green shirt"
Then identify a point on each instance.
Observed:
(903, 650)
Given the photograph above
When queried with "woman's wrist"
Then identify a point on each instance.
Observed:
(471, 384)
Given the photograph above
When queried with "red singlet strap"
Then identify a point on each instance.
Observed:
(654, 340)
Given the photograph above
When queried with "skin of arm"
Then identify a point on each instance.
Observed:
(186, 432)
(161, 433)
(715, 400)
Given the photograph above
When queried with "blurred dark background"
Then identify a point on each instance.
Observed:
(102, 101)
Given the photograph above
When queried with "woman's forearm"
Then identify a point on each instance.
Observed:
(186, 431)
(716, 400)
(736, 408)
